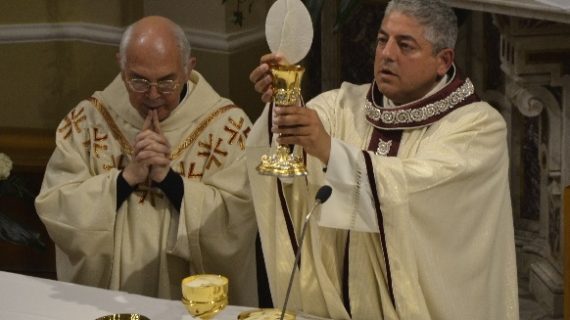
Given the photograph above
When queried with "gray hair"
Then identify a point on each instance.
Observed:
(182, 43)
(437, 18)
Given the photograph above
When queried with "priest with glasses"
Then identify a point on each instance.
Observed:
(147, 183)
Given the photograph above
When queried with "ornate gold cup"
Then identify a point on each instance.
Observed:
(204, 295)
(286, 92)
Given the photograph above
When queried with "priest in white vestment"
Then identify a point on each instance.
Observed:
(419, 224)
(147, 184)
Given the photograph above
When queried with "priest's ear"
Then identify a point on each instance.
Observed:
(118, 59)
(444, 60)
(190, 65)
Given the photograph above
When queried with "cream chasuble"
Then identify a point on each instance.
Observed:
(147, 247)
(431, 230)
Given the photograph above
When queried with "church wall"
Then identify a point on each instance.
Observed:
(226, 52)
(45, 80)
(49, 59)
(56, 53)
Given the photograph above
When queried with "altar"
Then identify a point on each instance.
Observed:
(30, 298)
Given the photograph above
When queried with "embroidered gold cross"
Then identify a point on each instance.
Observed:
(191, 173)
(97, 142)
(211, 151)
(144, 190)
(72, 121)
(237, 133)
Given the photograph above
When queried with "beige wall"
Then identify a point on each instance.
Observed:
(112, 12)
(42, 80)
(227, 69)
(229, 75)
(45, 80)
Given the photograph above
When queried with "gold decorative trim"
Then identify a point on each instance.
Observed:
(198, 131)
(128, 149)
(125, 145)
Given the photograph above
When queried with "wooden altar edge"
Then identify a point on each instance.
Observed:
(28, 148)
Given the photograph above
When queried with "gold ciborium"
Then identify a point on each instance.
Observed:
(204, 295)
(286, 92)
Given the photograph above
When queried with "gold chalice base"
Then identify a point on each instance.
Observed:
(265, 314)
(282, 164)
(123, 316)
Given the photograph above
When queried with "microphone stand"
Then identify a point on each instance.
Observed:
(322, 195)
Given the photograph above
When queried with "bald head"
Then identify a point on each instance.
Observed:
(155, 52)
(154, 33)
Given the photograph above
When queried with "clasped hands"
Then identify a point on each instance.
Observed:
(292, 124)
(151, 158)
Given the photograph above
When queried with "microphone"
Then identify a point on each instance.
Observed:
(322, 195)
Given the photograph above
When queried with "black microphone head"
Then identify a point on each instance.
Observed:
(324, 193)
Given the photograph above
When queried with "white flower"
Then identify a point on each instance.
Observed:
(5, 166)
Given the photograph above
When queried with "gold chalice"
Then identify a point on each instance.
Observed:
(286, 92)
(204, 295)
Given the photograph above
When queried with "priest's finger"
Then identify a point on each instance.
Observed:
(155, 122)
(147, 122)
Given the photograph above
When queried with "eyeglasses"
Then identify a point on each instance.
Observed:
(143, 85)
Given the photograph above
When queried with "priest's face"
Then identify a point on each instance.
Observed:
(155, 76)
(405, 66)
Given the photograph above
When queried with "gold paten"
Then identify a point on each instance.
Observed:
(265, 314)
(123, 316)
(286, 92)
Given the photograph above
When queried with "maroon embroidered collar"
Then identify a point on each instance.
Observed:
(457, 93)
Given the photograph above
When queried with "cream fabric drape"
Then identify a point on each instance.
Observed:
(446, 215)
(147, 247)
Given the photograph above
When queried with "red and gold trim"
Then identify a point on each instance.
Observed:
(457, 93)
(198, 131)
(128, 149)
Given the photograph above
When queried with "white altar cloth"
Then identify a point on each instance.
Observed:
(29, 298)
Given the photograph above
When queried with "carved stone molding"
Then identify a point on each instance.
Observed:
(533, 58)
(525, 99)
(531, 101)
(111, 35)
(533, 9)
(547, 285)
(534, 51)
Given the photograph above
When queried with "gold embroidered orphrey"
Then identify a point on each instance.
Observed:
(383, 147)
(190, 139)
(145, 190)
